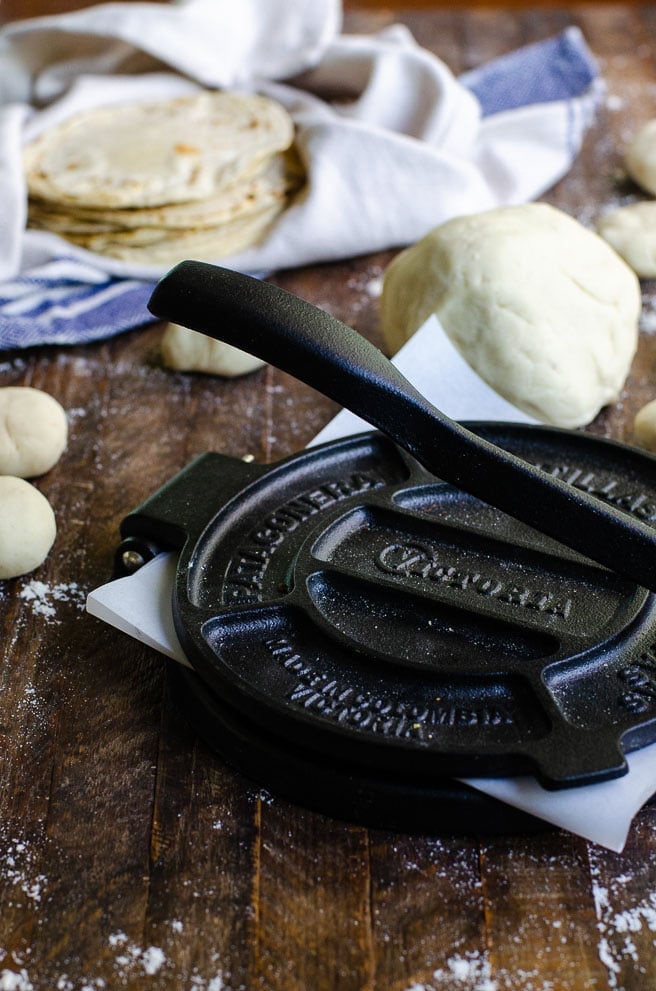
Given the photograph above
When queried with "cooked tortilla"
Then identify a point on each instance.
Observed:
(279, 176)
(151, 246)
(203, 175)
(154, 154)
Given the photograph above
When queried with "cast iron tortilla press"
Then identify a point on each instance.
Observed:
(371, 619)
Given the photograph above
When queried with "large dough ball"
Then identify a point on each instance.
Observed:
(33, 431)
(543, 309)
(27, 527)
(640, 157)
(189, 351)
(631, 230)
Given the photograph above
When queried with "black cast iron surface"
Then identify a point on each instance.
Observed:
(366, 622)
(351, 605)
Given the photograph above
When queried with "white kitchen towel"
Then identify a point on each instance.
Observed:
(393, 143)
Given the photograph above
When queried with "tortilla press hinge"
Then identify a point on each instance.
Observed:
(178, 510)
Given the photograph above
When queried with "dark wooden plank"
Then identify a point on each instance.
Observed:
(624, 898)
(428, 910)
(313, 927)
(203, 862)
(540, 922)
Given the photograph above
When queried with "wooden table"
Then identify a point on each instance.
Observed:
(130, 856)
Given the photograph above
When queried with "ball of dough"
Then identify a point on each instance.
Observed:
(33, 431)
(640, 157)
(27, 527)
(541, 308)
(631, 230)
(644, 426)
(189, 351)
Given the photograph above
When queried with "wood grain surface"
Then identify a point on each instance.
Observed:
(130, 856)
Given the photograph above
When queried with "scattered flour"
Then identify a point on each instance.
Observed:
(42, 598)
(199, 983)
(369, 282)
(133, 966)
(18, 870)
(65, 984)
(132, 962)
(365, 286)
(614, 102)
(374, 287)
(152, 960)
(463, 972)
(132, 958)
(16, 365)
(616, 946)
(76, 412)
(648, 316)
(470, 972)
(12, 981)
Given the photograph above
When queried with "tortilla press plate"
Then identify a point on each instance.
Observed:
(362, 632)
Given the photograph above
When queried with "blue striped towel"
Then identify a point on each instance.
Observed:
(66, 301)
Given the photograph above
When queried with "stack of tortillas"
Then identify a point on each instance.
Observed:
(203, 175)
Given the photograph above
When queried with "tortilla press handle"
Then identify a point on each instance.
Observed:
(318, 349)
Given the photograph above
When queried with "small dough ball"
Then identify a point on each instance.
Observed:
(640, 157)
(27, 527)
(189, 351)
(631, 230)
(644, 426)
(541, 308)
(33, 431)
